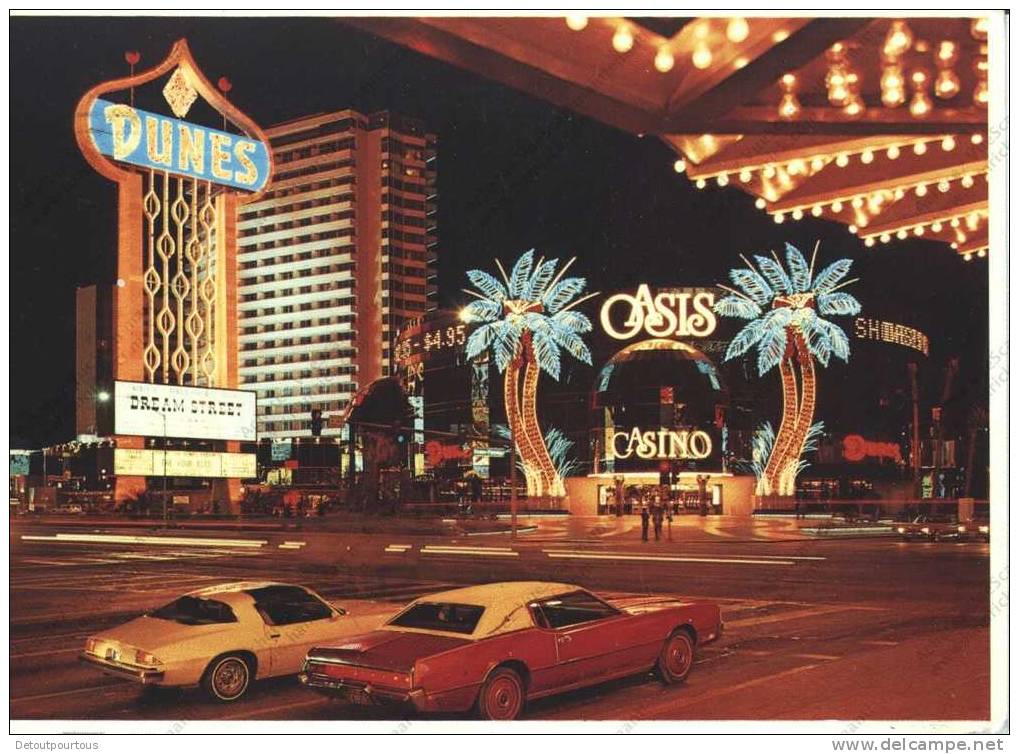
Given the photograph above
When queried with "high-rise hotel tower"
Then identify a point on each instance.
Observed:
(333, 260)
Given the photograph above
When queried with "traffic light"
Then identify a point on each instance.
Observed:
(316, 422)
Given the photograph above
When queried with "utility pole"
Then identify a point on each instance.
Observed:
(513, 483)
(166, 520)
(915, 439)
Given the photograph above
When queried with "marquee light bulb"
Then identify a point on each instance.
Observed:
(948, 143)
(967, 181)
(760, 203)
(577, 23)
(946, 85)
(745, 175)
(797, 214)
(836, 206)
(857, 202)
(920, 107)
(789, 106)
(977, 139)
(981, 94)
(817, 163)
(853, 229)
(954, 222)
(899, 39)
(943, 186)
(780, 36)
(664, 60)
(918, 230)
(893, 152)
(901, 234)
(842, 160)
(978, 28)
(965, 257)
(769, 171)
(737, 30)
(936, 227)
(779, 218)
(702, 56)
(701, 183)
(816, 210)
(982, 253)
(921, 190)
(679, 166)
(920, 147)
(854, 107)
(868, 241)
(722, 179)
(622, 40)
(899, 193)
(885, 238)
(866, 157)
(893, 97)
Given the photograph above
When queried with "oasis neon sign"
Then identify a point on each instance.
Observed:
(155, 141)
(667, 314)
(662, 444)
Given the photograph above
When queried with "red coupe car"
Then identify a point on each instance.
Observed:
(493, 647)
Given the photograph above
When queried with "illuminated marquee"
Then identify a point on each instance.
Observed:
(662, 444)
(137, 137)
(667, 314)
(866, 328)
(155, 410)
(182, 463)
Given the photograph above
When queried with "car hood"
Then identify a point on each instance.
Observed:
(152, 634)
(386, 650)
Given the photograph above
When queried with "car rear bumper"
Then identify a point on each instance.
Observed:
(130, 672)
(360, 691)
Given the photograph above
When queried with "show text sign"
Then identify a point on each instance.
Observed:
(153, 410)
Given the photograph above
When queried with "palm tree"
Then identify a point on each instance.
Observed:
(527, 319)
(785, 308)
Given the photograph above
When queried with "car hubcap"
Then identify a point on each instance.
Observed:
(503, 699)
(231, 677)
(678, 656)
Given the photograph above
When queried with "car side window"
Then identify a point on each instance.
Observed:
(572, 609)
(283, 606)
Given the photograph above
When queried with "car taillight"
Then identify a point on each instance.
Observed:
(90, 645)
(902, 530)
(144, 658)
(315, 668)
(984, 529)
(962, 529)
(926, 530)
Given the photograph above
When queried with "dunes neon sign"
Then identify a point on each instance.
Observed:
(666, 314)
(662, 444)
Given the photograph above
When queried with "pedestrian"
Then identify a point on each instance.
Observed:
(659, 516)
(668, 517)
(645, 518)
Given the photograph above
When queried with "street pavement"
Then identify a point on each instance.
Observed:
(844, 629)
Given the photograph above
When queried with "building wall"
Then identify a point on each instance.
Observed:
(331, 262)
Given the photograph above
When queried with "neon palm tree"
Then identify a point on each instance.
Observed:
(785, 308)
(527, 319)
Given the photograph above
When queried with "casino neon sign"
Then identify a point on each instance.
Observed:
(666, 314)
(137, 137)
(662, 444)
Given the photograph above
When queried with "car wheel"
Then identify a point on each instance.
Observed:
(227, 678)
(501, 696)
(676, 658)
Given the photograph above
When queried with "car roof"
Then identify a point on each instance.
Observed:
(236, 591)
(505, 603)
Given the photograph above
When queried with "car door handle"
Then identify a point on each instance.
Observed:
(565, 639)
(274, 636)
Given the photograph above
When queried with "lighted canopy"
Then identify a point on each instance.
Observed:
(877, 123)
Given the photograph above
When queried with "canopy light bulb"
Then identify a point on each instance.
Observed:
(893, 152)
(769, 171)
(921, 190)
(885, 238)
(976, 139)
(981, 94)
(737, 30)
(722, 179)
(982, 253)
(936, 227)
(899, 39)
(920, 107)
(760, 203)
(702, 56)
(622, 40)
(918, 230)
(701, 183)
(965, 257)
(967, 181)
(853, 229)
(920, 148)
(745, 175)
(679, 166)
(817, 163)
(789, 106)
(779, 218)
(816, 210)
(868, 241)
(577, 23)
(836, 206)
(664, 60)
(901, 234)
(948, 143)
(943, 186)
(866, 157)
(797, 214)
(842, 160)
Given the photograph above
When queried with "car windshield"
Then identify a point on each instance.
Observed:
(194, 611)
(440, 616)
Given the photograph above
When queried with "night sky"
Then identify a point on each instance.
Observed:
(514, 173)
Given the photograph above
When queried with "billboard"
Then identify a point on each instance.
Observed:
(199, 413)
(131, 462)
(19, 463)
